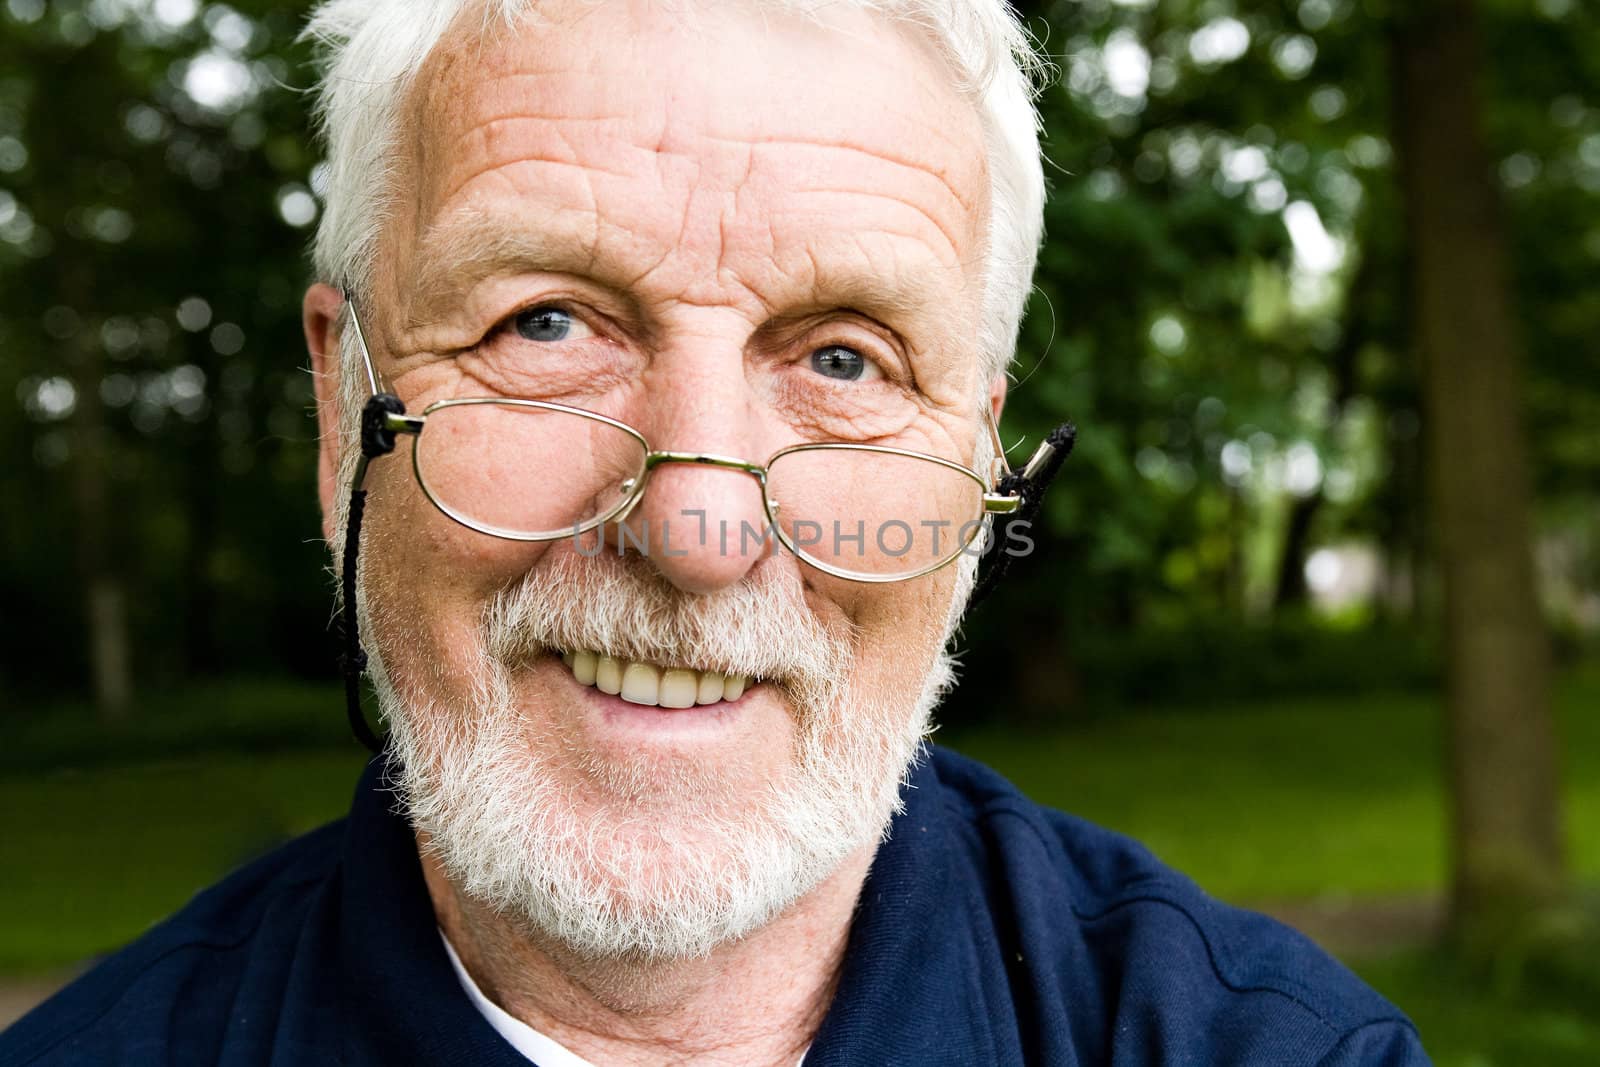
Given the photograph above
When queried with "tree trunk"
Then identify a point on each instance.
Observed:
(1506, 813)
(1290, 590)
(1401, 519)
(1234, 593)
(105, 604)
(203, 473)
(1343, 367)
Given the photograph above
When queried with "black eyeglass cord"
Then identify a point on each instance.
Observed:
(376, 440)
(1032, 488)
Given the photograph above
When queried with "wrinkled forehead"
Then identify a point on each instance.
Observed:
(652, 116)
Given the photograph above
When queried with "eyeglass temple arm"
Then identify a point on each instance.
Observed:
(994, 501)
(1007, 495)
(1026, 488)
(383, 416)
(361, 343)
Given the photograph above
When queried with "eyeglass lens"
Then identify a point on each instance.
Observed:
(523, 471)
(874, 513)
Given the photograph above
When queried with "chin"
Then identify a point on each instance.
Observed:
(659, 855)
(612, 828)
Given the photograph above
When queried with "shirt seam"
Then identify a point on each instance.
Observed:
(1007, 806)
(1345, 1038)
(203, 943)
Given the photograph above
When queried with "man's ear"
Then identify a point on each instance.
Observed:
(997, 395)
(319, 314)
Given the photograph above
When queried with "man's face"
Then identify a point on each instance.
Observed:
(665, 218)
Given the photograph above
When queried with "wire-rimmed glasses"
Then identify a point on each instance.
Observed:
(536, 470)
(817, 497)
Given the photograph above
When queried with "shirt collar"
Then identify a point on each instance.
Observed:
(406, 1004)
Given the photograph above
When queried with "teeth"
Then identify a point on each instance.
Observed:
(608, 676)
(641, 684)
(710, 688)
(678, 689)
(647, 684)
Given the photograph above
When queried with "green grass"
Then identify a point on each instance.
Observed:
(1464, 1023)
(1272, 801)
(1289, 799)
(92, 858)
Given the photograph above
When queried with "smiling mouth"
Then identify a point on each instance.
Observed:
(653, 686)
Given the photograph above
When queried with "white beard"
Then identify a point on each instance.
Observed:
(658, 859)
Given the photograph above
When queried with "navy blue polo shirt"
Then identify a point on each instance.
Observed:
(989, 931)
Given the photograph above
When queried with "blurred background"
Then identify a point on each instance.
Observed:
(1316, 612)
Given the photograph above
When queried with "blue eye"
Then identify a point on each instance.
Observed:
(545, 324)
(836, 361)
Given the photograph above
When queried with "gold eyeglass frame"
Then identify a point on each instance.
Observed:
(994, 502)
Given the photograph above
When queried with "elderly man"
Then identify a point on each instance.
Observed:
(630, 282)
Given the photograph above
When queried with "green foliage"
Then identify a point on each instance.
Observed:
(232, 717)
(149, 285)
(1219, 306)
(1207, 344)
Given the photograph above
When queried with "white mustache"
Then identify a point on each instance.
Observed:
(623, 607)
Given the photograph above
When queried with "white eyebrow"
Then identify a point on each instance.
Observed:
(452, 258)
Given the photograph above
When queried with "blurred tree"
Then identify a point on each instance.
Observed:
(1209, 308)
(151, 252)
(1173, 115)
(1503, 767)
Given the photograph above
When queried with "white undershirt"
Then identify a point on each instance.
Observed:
(518, 1034)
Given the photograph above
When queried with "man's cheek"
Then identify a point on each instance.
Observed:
(902, 624)
(442, 558)
(899, 608)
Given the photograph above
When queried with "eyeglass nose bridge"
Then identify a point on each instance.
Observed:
(654, 459)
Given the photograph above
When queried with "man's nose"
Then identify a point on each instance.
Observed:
(702, 524)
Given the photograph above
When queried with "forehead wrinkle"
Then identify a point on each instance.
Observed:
(480, 103)
(494, 133)
(921, 168)
(651, 140)
(478, 242)
(651, 127)
(815, 209)
(913, 213)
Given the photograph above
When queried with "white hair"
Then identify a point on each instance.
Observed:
(372, 49)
